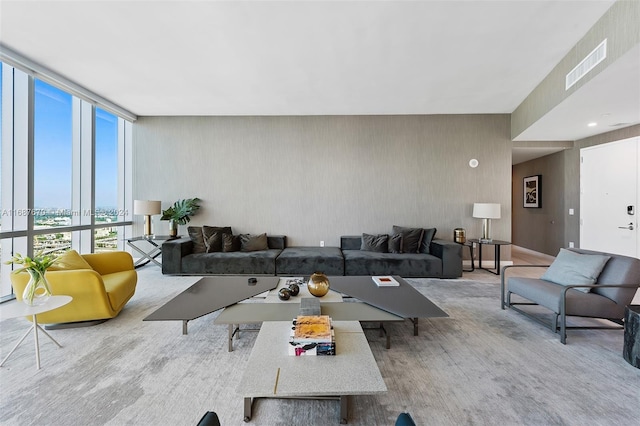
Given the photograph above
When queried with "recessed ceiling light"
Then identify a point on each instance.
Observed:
(592, 124)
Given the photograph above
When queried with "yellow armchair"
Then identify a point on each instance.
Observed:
(99, 293)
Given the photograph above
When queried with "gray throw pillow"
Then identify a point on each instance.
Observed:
(427, 237)
(395, 243)
(195, 233)
(213, 237)
(571, 268)
(377, 243)
(250, 242)
(230, 243)
(411, 238)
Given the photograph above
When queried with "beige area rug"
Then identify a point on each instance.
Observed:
(480, 366)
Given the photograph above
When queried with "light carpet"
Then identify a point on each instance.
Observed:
(480, 366)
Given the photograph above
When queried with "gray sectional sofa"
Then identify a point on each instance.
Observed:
(444, 260)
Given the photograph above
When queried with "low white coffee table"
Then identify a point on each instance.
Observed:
(272, 373)
(20, 309)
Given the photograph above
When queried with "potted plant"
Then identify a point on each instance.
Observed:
(180, 213)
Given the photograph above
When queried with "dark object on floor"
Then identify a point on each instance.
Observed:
(405, 419)
(210, 418)
(631, 349)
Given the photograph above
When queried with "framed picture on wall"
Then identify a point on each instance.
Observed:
(533, 191)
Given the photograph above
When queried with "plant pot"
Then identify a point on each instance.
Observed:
(173, 228)
(37, 291)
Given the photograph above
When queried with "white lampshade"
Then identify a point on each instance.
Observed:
(486, 210)
(146, 207)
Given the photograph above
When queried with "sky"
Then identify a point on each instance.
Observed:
(53, 150)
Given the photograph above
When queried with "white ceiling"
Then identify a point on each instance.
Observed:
(322, 57)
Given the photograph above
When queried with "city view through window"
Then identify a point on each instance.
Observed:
(53, 173)
(75, 173)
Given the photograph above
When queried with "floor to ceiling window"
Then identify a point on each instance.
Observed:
(63, 172)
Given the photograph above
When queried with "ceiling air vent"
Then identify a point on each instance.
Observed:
(587, 64)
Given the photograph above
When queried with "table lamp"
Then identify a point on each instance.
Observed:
(486, 212)
(146, 208)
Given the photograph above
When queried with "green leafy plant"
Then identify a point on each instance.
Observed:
(38, 263)
(182, 210)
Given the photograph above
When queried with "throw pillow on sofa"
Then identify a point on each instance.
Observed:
(250, 242)
(213, 237)
(427, 237)
(230, 243)
(411, 238)
(395, 243)
(195, 233)
(570, 268)
(377, 243)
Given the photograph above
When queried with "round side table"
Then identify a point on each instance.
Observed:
(20, 309)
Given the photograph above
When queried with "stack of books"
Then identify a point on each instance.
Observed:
(312, 335)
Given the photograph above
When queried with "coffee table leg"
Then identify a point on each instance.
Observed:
(184, 326)
(344, 409)
(230, 337)
(247, 409)
(415, 326)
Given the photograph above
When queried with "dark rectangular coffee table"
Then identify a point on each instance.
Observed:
(403, 300)
(208, 295)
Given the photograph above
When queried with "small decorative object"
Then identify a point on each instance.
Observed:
(284, 294)
(180, 214)
(37, 291)
(532, 187)
(459, 235)
(318, 284)
(294, 289)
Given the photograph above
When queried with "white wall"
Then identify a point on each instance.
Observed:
(316, 178)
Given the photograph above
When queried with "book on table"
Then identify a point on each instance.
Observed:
(385, 281)
(312, 335)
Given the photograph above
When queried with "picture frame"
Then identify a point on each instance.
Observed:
(532, 191)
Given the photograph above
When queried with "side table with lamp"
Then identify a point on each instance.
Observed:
(486, 212)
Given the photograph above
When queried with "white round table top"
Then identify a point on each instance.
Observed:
(20, 309)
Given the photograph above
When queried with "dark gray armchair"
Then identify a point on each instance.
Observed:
(613, 289)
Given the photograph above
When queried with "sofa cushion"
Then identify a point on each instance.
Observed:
(233, 263)
(427, 237)
(230, 243)
(213, 237)
(307, 260)
(377, 243)
(411, 238)
(197, 237)
(570, 268)
(359, 262)
(250, 242)
(69, 261)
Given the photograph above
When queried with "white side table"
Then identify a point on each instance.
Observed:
(21, 309)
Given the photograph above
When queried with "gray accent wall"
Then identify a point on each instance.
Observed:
(316, 178)
(548, 229)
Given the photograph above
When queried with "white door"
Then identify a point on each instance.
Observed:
(609, 184)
